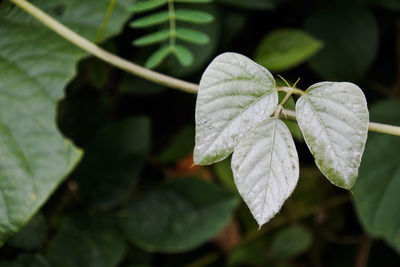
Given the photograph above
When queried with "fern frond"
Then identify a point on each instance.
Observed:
(147, 5)
(151, 20)
(152, 38)
(172, 34)
(193, 16)
(192, 36)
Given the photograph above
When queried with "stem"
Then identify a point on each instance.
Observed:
(373, 126)
(290, 89)
(103, 26)
(156, 77)
(103, 54)
(279, 108)
(363, 252)
(172, 25)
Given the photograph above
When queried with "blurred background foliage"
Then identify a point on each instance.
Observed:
(136, 200)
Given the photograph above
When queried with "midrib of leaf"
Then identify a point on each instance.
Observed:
(238, 115)
(269, 166)
(324, 129)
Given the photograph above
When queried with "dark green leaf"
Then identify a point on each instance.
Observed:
(152, 38)
(179, 216)
(389, 4)
(250, 4)
(35, 65)
(224, 174)
(194, 1)
(157, 57)
(194, 16)
(26, 260)
(286, 48)
(291, 242)
(32, 235)
(350, 41)
(377, 191)
(184, 56)
(131, 84)
(150, 20)
(180, 146)
(146, 5)
(192, 36)
(112, 162)
(86, 241)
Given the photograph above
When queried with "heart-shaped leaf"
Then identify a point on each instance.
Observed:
(235, 94)
(333, 118)
(265, 166)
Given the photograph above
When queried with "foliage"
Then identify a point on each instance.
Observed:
(172, 34)
(109, 155)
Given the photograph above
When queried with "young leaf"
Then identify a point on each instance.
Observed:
(152, 38)
(146, 5)
(235, 94)
(184, 56)
(192, 36)
(286, 48)
(265, 167)
(157, 57)
(194, 16)
(333, 118)
(150, 20)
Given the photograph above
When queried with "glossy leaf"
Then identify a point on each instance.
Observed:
(286, 48)
(152, 38)
(333, 118)
(192, 36)
(146, 5)
(86, 241)
(184, 56)
(377, 191)
(150, 20)
(350, 41)
(194, 16)
(235, 94)
(157, 57)
(178, 217)
(35, 65)
(265, 167)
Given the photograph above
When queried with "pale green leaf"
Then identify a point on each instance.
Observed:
(192, 36)
(194, 16)
(35, 65)
(286, 48)
(265, 167)
(184, 56)
(235, 94)
(152, 38)
(377, 190)
(157, 57)
(146, 5)
(177, 217)
(333, 118)
(150, 20)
